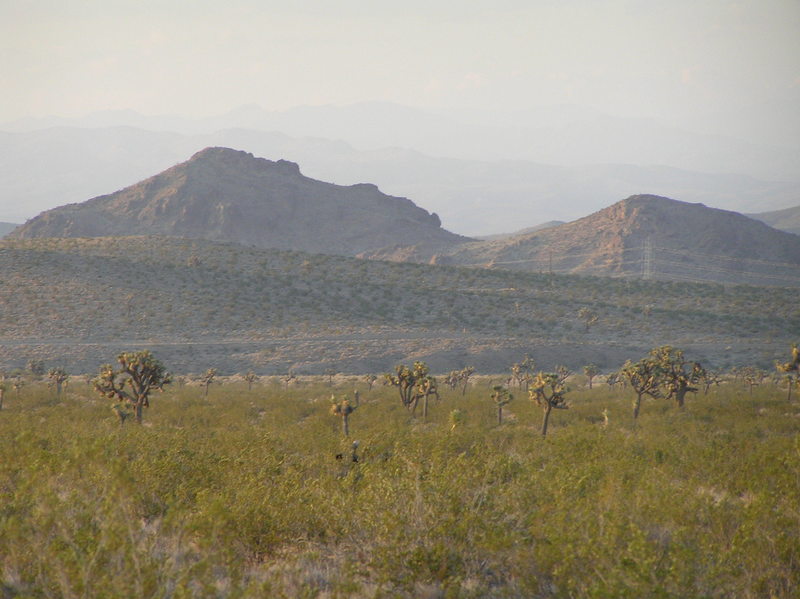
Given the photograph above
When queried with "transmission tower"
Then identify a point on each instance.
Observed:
(647, 259)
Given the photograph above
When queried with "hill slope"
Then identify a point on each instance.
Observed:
(228, 195)
(643, 235)
(202, 304)
(786, 220)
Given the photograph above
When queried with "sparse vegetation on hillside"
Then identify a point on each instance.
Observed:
(258, 303)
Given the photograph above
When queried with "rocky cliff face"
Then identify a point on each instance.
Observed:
(224, 194)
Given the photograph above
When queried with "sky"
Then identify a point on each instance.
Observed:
(680, 61)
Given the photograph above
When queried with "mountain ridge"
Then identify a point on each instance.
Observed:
(225, 194)
(44, 169)
(641, 236)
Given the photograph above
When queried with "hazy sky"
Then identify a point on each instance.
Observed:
(668, 59)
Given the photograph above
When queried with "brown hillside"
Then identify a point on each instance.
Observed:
(686, 241)
(228, 195)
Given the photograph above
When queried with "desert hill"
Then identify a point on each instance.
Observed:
(43, 169)
(643, 236)
(229, 195)
(786, 220)
(201, 304)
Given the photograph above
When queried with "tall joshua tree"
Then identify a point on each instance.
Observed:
(139, 374)
(426, 387)
(251, 377)
(522, 372)
(678, 376)
(501, 397)
(343, 408)
(548, 390)
(207, 379)
(591, 371)
(412, 384)
(58, 376)
(644, 377)
(464, 375)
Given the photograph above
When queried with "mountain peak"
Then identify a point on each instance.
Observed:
(230, 195)
(227, 157)
(652, 237)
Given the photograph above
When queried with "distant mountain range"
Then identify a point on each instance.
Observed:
(564, 135)
(229, 195)
(474, 194)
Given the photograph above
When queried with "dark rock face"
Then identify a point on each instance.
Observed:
(224, 194)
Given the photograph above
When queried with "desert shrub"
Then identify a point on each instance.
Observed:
(241, 495)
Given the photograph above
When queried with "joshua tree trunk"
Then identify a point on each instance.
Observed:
(546, 418)
(345, 425)
(138, 411)
(636, 405)
(2, 391)
(499, 414)
(680, 396)
(425, 407)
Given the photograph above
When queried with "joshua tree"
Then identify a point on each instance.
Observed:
(677, 375)
(501, 397)
(138, 375)
(330, 373)
(2, 390)
(644, 377)
(344, 408)
(459, 377)
(408, 380)
(591, 371)
(464, 376)
(548, 390)
(588, 317)
(18, 384)
(711, 378)
(452, 379)
(370, 379)
(522, 372)
(614, 379)
(288, 378)
(792, 370)
(58, 376)
(752, 376)
(207, 379)
(426, 386)
(405, 382)
(36, 367)
(251, 377)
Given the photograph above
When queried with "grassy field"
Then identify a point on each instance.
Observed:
(240, 494)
